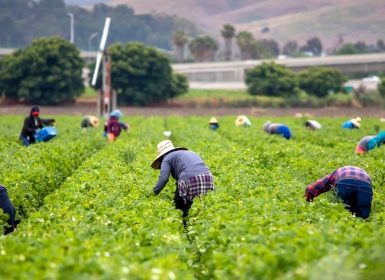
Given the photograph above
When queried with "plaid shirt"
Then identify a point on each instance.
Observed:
(326, 183)
(195, 186)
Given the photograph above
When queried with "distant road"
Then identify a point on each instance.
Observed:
(242, 86)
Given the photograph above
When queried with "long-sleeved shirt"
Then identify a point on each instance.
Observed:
(181, 164)
(31, 124)
(326, 183)
(273, 127)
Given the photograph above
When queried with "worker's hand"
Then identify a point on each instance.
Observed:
(309, 198)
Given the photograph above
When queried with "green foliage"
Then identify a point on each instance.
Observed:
(100, 221)
(141, 75)
(272, 80)
(203, 48)
(313, 45)
(24, 20)
(381, 87)
(47, 72)
(320, 81)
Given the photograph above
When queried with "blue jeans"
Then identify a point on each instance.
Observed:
(357, 196)
(25, 141)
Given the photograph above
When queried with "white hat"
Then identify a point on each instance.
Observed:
(164, 148)
(356, 122)
(242, 120)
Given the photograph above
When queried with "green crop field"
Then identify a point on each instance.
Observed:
(87, 211)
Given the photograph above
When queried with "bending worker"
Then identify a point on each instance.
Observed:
(351, 184)
(353, 123)
(312, 125)
(242, 120)
(277, 128)
(89, 121)
(368, 143)
(213, 123)
(193, 177)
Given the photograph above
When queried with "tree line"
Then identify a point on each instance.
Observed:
(22, 21)
(205, 48)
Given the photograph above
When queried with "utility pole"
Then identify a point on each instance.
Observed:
(72, 17)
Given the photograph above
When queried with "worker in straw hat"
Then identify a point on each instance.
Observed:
(89, 121)
(277, 128)
(242, 120)
(353, 123)
(350, 184)
(193, 177)
(368, 143)
(213, 123)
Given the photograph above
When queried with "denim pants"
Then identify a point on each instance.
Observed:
(357, 196)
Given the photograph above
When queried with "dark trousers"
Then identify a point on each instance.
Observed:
(8, 208)
(181, 205)
(357, 196)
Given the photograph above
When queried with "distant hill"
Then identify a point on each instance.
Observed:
(334, 22)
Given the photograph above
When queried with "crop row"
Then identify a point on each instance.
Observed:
(103, 222)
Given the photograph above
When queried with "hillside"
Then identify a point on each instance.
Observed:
(333, 22)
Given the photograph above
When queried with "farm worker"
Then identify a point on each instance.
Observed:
(353, 123)
(242, 120)
(193, 178)
(7, 207)
(277, 128)
(213, 123)
(89, 121)
(351, 184)
(312, 125)
(32, 125)
(113, 126)
(368, 143)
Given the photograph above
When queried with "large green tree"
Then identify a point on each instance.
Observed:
(320, 81)
(49, 71)
(272, 80)
(141, 75)
(228, 33)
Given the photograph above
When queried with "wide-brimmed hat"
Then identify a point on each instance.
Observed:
(164, 148)
(242, 120)
(94, 121)
(356, 121)
(213, 120)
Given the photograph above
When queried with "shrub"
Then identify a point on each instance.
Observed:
(320, 81)
(272, 80)
(47, 72)
(142, 75)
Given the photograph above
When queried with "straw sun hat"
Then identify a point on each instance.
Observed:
(164, 148)
(94, 121)
(356, 121)
(213, 120)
